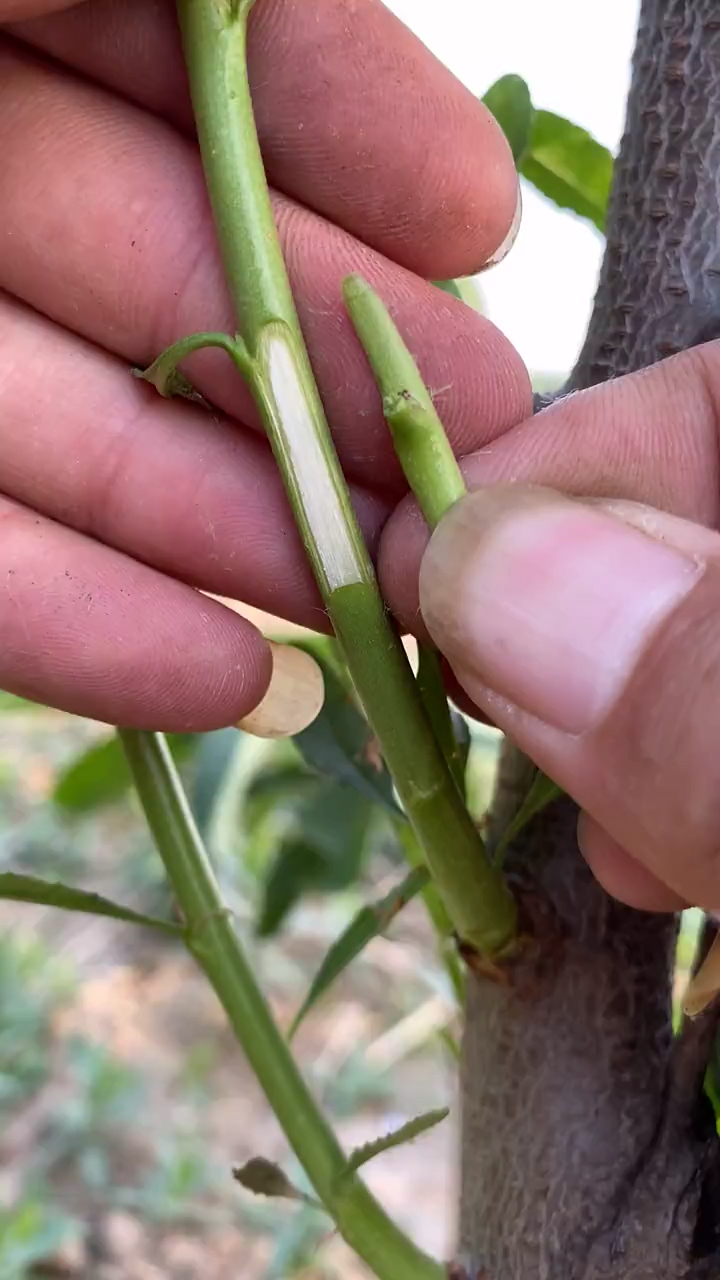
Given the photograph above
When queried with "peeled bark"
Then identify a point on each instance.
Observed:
(589, 1149)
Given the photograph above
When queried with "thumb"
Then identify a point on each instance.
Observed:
(590, 633)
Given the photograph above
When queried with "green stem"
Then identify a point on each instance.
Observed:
(427, 460)
(424, 451)
(479, 904)
(437, 914)
(478, 900)
(432, 691)
(213, 942)
(164, 373)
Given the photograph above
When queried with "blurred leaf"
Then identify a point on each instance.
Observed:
(297, 870)
(111, 1089)
(692, 923)
(45, 893)
(100, 775)
(30, 1234)
(295, 1248)
(10, 702)
(279, 786)
(369, 922)
(269, 811)
(569, 166)
(211, 765)
(180, 1178)
(461, 729)
(33, 987)
(712, 1079)
(450, 1043)
(340, 743)
(407, 1133)
(510, 103)
(542, 793)
(94, 1167)
(322, 850)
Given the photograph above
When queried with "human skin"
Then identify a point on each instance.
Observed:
(117, 508)
(115, 505)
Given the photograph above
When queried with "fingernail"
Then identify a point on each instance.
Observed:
(293, 699)
(547, 602)
(503, 250)
(704, 986)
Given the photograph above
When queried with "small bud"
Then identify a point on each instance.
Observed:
(265, 1178)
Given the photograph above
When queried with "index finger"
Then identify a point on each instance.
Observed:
(357, 119)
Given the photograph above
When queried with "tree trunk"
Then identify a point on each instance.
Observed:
(589, 1149)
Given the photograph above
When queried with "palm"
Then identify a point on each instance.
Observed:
(108, 237)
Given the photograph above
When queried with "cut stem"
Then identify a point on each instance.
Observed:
(213, 942)
(427, 460)
(422, 447)
(476, 896)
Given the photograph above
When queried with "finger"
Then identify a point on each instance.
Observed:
(197, 497)
(598, 649)
(139, 268)
(23, 10)
(621, 875)
(89, 631)
(356, 119)
(651, 437)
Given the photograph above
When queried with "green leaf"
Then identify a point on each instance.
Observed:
(46, 893)
(563, 161)
(510, 103)
(465, 290)
(541, 794)
(569, 166)
(322, 850)
(369, 922)
(407, 1133)
(340, 744)
(100, 775)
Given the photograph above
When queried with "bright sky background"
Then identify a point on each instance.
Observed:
(576, 60)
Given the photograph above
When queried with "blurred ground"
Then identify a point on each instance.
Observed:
(124, 1103)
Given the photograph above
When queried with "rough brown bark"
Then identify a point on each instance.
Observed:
(589, 1150)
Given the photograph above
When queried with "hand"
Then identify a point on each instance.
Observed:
(590, 630)
(117, 505)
